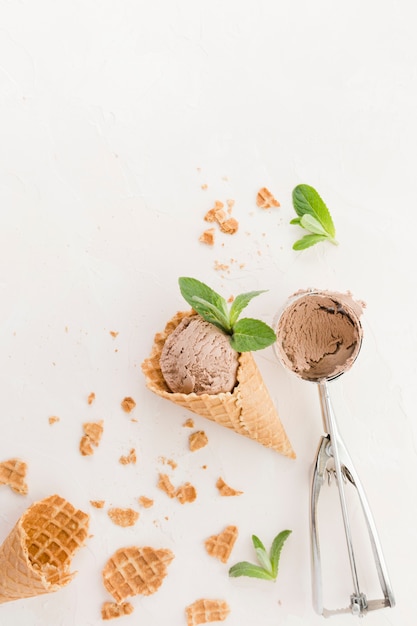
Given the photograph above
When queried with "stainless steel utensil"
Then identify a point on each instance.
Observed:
(333, 459)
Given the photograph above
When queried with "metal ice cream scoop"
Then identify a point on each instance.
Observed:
(332, 458)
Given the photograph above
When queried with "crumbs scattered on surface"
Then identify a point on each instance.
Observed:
(123, 517)
(128, 404)
(13, 474)
(129, 458)
(206, 610)
(53, 419)
(220, 546)
(225, 490)
(110, 610)
(223, 219)
(92, 435)
(265, 199)
(145, 502)
(91, 398)
(114, 333)
(189, 423)
(98, 504)
(173, 464)
(197, 440)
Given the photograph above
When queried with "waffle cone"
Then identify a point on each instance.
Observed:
(248, 409)
(36, 556)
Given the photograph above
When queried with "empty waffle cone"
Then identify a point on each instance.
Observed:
(36, 556)
(247, 410)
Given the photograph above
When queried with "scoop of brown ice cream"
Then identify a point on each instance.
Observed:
(319, 334)
(197, 357)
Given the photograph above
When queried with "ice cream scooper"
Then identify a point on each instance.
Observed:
(319, 336)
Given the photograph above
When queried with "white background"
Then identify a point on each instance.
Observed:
(113, 114)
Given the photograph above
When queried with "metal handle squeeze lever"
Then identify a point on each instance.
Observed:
(332, 449)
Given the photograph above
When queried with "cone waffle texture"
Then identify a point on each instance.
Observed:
(204, 610)
(247, 410)
(221, 545)
(36, 556)
(135, 570)
(13, 473)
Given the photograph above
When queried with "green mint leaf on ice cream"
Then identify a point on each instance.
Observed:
(246, 334)
(312, 215)
(268, 562)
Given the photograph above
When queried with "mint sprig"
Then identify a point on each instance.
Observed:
(246, 334)
(313, 216)
(268, 562)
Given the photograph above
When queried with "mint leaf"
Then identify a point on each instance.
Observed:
(193, 289)
(244, 568)
(307, 241)
(241, 302)
(268, 569)
(276, 548)
(313, 216)
(245, 334)
(249, 334)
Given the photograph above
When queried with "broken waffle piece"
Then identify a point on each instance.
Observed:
(111, 610)
(203, 611)
(98, 504)
(92, 436)
(135, 570)
(265, 199)
(197, 440)
(186, 493)
(91, 398)
(130, 458)
(36, 556)
(13, 474)
(220, 546)
(207, 237)
(123, 517)
(229, 226)
(53, 419)
(128, 404)
(165, 484)
(145, 502)
(225, 490)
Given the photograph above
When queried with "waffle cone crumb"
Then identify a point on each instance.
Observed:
(225, 490)
(265, 199)
(204, 610)
(92, 436)
(220, 546)
(123, 517)
(135, 570)
(186, 493)
(197, 440)
(13, 474)
(36, 556)
(111, 610)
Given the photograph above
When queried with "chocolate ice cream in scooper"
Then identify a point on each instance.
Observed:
(319, 336)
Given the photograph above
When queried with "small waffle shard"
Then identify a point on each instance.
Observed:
(165, 484)
(207, 236)
(145, 502)
(123, 517)
(197, 440)
(265, 199)
(111, 610)
(136, 570)
(13, 474)
(128, 404)
(129, 458)
(220, 546)
(91, 398)
(204, 610)
(92, 436)
(186, 493)
(225, 489)
(98, 504)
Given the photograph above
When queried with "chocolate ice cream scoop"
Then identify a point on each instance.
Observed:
(197, 357)
(319, 334)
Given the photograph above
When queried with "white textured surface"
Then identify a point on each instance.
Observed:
(112, 116)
